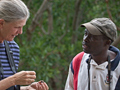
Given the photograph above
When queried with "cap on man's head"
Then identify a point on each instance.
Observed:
(102, 26)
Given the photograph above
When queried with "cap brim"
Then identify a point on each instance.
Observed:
(92, 29)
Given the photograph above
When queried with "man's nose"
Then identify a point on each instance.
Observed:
(85, 38)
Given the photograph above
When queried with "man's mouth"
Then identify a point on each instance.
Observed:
(84, 45)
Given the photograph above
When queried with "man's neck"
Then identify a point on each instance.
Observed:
(103, 57)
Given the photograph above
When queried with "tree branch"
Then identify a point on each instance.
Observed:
(78, 3)
(37, 17)
(116, 42)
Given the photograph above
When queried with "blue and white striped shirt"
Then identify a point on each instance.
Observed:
(7, 71)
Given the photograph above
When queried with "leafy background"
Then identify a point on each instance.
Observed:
(50, 54)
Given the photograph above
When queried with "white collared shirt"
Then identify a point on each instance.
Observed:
(98, 76)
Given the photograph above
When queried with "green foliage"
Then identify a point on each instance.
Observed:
(46, 54)
(48, 57)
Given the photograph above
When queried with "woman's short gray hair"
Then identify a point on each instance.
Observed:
(13, 10)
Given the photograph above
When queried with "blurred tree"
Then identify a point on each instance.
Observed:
(52, 36)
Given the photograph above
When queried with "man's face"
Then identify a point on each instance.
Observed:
(8, 30)
(93, 44)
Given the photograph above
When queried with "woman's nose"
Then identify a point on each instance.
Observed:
(20, 31)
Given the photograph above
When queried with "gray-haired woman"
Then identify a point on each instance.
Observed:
(13, 16)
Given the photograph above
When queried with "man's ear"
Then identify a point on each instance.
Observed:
(108, 42)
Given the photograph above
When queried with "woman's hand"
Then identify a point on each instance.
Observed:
(41, 85)
(24, 78)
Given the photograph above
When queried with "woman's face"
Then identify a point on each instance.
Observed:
(8, 30)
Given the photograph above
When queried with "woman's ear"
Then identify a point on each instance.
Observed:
(1, 22)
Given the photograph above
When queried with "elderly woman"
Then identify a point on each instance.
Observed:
(13, 16)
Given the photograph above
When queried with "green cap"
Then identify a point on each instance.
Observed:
(102, 26)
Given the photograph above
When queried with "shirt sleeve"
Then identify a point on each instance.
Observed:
(69, 82)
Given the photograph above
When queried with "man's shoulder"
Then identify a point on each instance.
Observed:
(81, 54)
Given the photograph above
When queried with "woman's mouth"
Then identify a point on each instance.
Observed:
(14, 36)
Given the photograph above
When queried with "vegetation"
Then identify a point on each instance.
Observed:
(53, 36)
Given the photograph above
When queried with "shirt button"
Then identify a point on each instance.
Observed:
(94, 77)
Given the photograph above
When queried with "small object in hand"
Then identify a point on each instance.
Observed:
(42, 81)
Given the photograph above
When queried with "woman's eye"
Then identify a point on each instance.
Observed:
(16, 27)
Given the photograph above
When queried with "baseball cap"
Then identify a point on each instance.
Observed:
(102, 26)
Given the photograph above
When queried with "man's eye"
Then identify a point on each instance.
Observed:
(85, 33)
